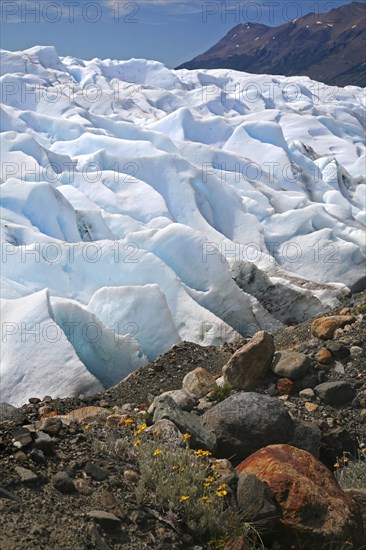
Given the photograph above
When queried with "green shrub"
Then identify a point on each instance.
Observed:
(220, 393)
(180, 483)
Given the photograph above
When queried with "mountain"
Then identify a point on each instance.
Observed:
(329, 48)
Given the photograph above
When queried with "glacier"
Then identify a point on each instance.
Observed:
(142, 206)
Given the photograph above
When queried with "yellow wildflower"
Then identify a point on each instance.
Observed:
(157, 452)
(183, 498)
(221, 493)
(206, 499)
(137, 443)
(186, 436)
(140, 429)
(201, 453)
(86, 426)
(337, 465)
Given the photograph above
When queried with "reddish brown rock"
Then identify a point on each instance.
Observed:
(315, 510)
(324, 357)
(285, 386)
(325, 327)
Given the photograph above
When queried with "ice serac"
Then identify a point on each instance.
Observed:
(141, 312)
(142, 206)
(36, 355)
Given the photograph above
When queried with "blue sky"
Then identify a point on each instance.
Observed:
(171, 31)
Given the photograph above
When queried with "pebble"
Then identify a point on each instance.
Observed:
(308, 393)
(21, 437)
(83, 487)
(20, 456)
(44, 442)
(324, 356)
(63, 483)
(37, 456)
(311, 407)
(130, 476)
(356, 351)
(95, 472)
(26, 476)
(105, 519)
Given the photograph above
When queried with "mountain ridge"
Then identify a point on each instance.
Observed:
(327, 47)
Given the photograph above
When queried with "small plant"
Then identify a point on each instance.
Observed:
(220, 393)
(361, 309)
(351, 472)
(180, 482)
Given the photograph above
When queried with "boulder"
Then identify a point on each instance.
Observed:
(202, 437)
(185, 401)
(290, 364)
(256, 502)
(338, 350)
(8, 412)
(167, 432)
(51, 425)
(249, 365)
(359, 497)
(315, 510)
(335, 442)
(335, 393)
(307, 436)
(325, 327)
(247, 421)
(198, 383)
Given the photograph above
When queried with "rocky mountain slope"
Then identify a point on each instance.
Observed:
(327, 47)
(79, 472)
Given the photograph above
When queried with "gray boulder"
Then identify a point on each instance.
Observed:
(290, 364)
(202, 437)
(256, 502)
(167, 432)
(307, 436)
(247, 421)
(8, 412)
(184, 401)
(335, 393)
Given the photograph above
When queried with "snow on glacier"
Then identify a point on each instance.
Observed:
(142, 206)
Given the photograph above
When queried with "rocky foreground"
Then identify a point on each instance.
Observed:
(257, 443)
